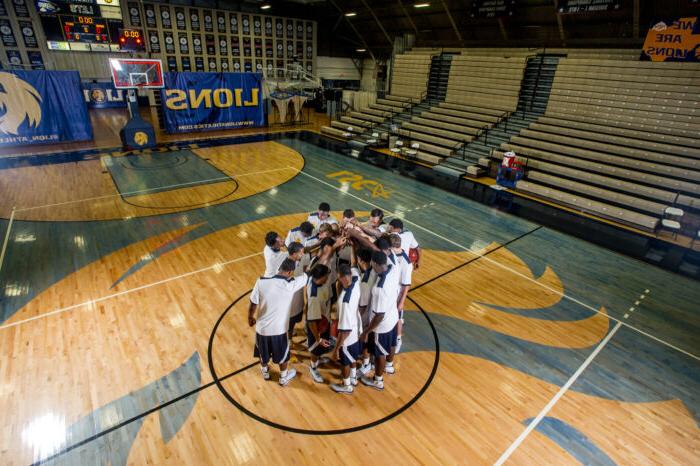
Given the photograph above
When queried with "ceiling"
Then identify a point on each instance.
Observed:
(449, 23)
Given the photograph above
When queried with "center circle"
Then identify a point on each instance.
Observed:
(299, 430)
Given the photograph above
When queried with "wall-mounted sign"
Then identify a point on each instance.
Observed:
(134, 13)
(197, 44)
(21, 10)
(154, 41)
(194, 19)
(208, 21)
(588, 6)
(180, 19)
(182, 40)
(150, 12)
(28, 34)
(492, 8)
(8, 37)
(169, 42)
(165, 20)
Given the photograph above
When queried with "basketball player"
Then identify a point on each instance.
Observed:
(323, 215)
(345, 254)
(381, 333)
(303, 234)
(272, 298)
(405, 274)
(363, 260)
(296, 253)
(408, 242)
(273, 253)
(375, 227)
(347, 350)
(318, 317)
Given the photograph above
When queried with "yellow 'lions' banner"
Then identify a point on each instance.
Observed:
(677, 40)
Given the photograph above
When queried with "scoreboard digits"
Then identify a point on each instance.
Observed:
(84, 29)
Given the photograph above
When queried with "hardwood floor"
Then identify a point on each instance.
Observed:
(115, 319)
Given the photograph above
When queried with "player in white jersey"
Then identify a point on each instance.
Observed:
(318, 317)
(347, 350)
(345, 253)
(303, 234)
(363, 261)
(273, 253)
(272, 299)
(408, 242)
(381, 333)
(323, 215)
(405, 276)
(376, 226)
(296, 253)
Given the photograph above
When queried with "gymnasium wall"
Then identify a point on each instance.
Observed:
(244, 48)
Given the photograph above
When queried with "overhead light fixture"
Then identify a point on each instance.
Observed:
(360, 50)
(350, 14)
(421, 5)
(266, 6)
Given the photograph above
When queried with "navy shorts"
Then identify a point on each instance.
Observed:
(380, 344)
(293, 320)
(349, 354)
(315, 347)
(275, 347)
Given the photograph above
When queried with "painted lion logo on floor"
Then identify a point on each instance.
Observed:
(19, 101)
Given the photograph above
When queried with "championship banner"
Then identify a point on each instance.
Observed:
(42, 107)
(673, 40)
(212, 101)
(103, 95)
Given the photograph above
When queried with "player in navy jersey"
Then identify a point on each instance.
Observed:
(408, 242)
(347, 349)
(318, 317)
(381, 332)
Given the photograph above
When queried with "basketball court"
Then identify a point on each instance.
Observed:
(554, 192)
(125, 305)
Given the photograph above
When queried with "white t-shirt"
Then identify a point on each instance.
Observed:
(273, 260)
(296, 236)
(405, 269)
(408, 241)
(318, 300)
(349, 312)
(274, 297)
(298, 300)
(383, 299)
(367, 279)
(317, 222)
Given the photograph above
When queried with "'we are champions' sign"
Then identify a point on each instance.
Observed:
(675, 40)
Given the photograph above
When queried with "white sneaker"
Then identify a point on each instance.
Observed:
(397, 348)
(365, 368)
(340, 388)
(389, 369)
(374, 383)
(323, 360)
(291, 373)
(265, 373)
(316, 375)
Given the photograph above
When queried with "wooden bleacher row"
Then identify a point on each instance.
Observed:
(486, 81)
(357, 123)
(602, 178)
(409, 75)
(566, 146)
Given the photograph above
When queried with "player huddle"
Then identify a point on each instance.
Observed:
(347, 274)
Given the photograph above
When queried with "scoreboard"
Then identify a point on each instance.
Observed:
(84, 29)
(83, 21)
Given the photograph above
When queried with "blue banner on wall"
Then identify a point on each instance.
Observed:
(42, 107)
(212, 101)
(103, 95)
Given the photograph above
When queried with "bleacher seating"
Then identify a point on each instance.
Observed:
(620, 139)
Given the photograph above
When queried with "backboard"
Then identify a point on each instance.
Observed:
(134, 73)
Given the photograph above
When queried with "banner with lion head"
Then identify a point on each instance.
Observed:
(42, 107)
